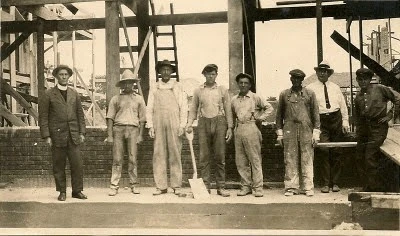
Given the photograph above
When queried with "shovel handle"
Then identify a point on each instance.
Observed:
(190, 139)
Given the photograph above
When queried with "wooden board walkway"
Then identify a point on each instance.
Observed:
(391, 146)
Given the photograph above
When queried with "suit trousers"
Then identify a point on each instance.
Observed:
(60, 155)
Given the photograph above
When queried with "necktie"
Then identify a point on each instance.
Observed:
(328, 105)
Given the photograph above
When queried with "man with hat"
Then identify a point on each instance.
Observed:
(126, 117)
(212, 103)
(371, 119)
(62, 125)
(334, 124)
(166, 120)
(247, 108)
(297, 124)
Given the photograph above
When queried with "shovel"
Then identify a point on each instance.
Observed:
(199, 190)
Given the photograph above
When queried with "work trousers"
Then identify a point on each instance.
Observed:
(331, 158)
(248, 158)
(212, 132)
(59, 156)
(167, 143)
(124, 134)
(298, 156)
(370, 136)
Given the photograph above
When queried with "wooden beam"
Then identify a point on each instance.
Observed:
(14, 45)
(144, 33)
(235, 36)
(385, 201)
(7, 3)
(112, 49)
(4, 112)
(40, 58)
(41, 11)
(131, 4)
(249, 41)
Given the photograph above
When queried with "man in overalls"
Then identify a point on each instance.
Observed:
(298, 130)
(215, 124)
(247, 108)
(166, 120)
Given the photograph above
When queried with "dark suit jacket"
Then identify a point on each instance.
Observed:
(59, 118)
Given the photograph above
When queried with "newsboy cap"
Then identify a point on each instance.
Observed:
(244, 75)
(62, 67)
(362, 72)
(209, 67)
(165, 63)
(297, 73)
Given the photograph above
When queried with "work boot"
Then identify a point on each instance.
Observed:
(135, 190)
(160, 191)
(258, 193)
(335, 188)
(244, 192)
(62, 197)
(113, 192)
(223, 192)
(177, 191)
(291, 192)
(310, 193)
(325, 189)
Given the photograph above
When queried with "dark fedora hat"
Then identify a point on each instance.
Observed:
(210, 67)
(244, 75)
(62, 67)
(324, 65)
(165, 63)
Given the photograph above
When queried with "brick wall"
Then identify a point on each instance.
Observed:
(25, 159)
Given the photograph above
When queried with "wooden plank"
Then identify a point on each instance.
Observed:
(40, 58)
(366, 196)
(391, 146)
(126, 49)
(7, 3)
(337, 144)
(41, 11)
(14, 45)
(5, 16)
(4, 112)
(235, 32)
(385, 201)
(131, 4)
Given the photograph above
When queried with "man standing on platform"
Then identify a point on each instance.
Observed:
(334, 124)
(166, 120)
(213, 105)
(297, 124)
(62, 125)
(126, 117)
(247, 108)
(371, 119)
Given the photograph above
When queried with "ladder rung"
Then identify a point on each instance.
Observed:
(166, 48)
(165, 34)
(125, 49)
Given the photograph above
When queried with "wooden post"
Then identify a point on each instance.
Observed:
(112, 49)
(93, 77)
(13, 73)
(249, 40)
(55, 48)
(40, 58)
(143, 27)
(318, 14)
(235, 33)
(360, 34)
(73, 57)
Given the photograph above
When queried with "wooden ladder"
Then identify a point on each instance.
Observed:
(158, 49)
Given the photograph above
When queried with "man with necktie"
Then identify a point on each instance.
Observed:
(334, 123)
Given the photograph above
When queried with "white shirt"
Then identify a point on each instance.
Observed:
(336, 99)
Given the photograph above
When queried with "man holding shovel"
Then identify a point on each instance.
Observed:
(166, 120)
(126, 117)
(247, 108)
(215, 126)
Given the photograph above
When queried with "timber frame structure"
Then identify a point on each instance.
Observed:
(240, 17)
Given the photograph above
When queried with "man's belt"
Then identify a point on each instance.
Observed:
(330, 113)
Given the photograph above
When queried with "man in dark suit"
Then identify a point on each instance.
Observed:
(62, 125)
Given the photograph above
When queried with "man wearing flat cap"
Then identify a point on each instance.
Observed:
(247, 109)
(371, 119)
(334, 124)
(126, 117)
(62, 125)
(298, 130)
(212, 104)
(166, 120)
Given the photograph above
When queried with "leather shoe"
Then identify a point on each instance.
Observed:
(160, 191)
(62, 196)
(222, 192)
(325, 189)
(335, 188)
(79, 195)
(244, 192)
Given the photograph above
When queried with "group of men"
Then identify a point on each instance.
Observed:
(305, 116)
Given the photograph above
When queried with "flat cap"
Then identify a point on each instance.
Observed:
(365, 72)
(244, 75)
(209, 67)
(297, 73)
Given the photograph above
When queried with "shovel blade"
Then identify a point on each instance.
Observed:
(199, 190)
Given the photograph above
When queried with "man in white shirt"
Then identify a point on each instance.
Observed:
(334, 123)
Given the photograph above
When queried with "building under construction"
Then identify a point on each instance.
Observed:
(27, 24)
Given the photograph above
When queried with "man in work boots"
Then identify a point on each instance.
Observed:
(211, 102)
(126, 117)
(247, 108)
(166, 120)
(297, 124)
(371, 119)
(62, 125)
(334, 124)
